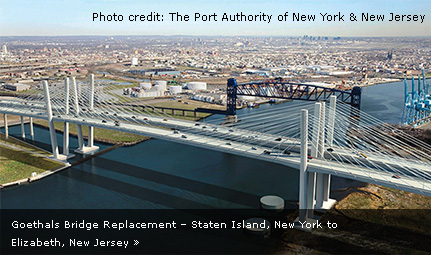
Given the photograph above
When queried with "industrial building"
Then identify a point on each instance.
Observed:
(146, 89)
(159, 72)
(175, 90)
(196, 85)
(17, 87)
(145, 85)
(219, 98)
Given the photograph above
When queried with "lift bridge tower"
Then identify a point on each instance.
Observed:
(417, 103)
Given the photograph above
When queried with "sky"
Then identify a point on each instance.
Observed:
(75, 17)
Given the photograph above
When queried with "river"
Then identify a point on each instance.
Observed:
(161, 174)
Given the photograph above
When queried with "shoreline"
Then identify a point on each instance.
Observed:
(47, 173)
(381, 82)
(40, 175)
(100, 140)
(34, 178)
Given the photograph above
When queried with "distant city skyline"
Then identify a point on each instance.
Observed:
(62, 18)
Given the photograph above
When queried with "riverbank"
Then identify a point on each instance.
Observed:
(20, 161)
(370, 220)
(379, 81)
(426, 126)
(100, 134)
(422, 133)
(379, 197)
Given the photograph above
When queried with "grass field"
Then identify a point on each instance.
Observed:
(17, 164)
(100, 134)
(380, 197)
(22, 145)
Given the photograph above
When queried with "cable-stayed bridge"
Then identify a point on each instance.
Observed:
(320, 139)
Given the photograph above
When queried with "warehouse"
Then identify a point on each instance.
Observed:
(17, 87)
(160, 72)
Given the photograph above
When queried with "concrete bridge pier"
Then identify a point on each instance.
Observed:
(331, 120)
(316, 130)
(314, 188)
(231, 118)
(31, 128)
(91, 107)
(22, 127)
(307, 180)
(6, 128)
(323, 202)
(52, 133)
(66, 124)
(76, 106)
(323, 189)
(82, 148)
(323, 181)
(80, 139)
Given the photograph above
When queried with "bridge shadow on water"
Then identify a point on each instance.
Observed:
(210, 190)
(136, 191)
(209, 180)
(183, 184)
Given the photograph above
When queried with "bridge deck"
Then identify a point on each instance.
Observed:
(376, 168)
(224, 140)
